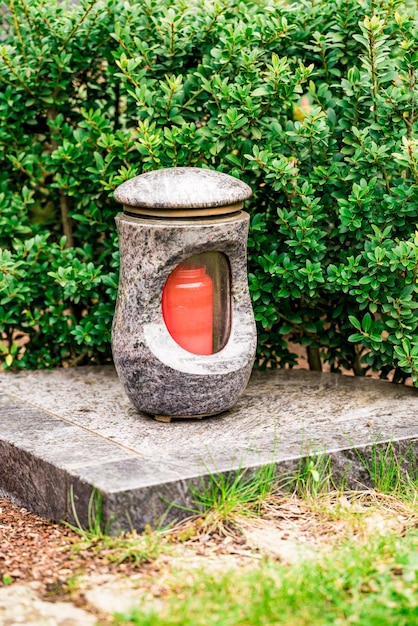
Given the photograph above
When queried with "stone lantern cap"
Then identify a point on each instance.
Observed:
(182, 192)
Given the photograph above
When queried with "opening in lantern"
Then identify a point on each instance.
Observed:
(197, 303)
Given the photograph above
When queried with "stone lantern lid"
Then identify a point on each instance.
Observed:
(182, 192)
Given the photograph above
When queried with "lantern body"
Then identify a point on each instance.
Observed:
(183, 355)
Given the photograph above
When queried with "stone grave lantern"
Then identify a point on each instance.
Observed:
(183, 335)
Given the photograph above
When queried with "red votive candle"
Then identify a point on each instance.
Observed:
(188, 308)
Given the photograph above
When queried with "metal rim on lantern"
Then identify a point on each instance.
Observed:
(182, 192)
(206, 212)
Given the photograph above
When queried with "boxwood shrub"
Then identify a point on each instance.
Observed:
(313, 103)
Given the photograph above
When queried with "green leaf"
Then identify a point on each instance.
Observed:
(356, 337)
(260, 91)
(367, 322)
(285, 329)
(315, 474)
(355, 322)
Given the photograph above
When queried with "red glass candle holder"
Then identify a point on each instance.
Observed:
(188, 308)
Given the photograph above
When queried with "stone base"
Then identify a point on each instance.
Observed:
(69, 432)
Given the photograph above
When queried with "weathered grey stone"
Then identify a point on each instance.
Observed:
(114, 596)
(61, 443)
(159, 376)
(182, 187)
(141, 466)
(32, 481)
(21, 605)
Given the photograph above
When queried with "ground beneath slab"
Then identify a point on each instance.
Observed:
(51, 575)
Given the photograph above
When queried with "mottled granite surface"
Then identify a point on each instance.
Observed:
(182, 187)
(159, 376)
(75, 428)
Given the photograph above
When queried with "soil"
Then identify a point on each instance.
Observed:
(36, 550)
(49, 575)
(33, 549)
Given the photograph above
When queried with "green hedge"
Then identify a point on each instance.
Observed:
(314, 104)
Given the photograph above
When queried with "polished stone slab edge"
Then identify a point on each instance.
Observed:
(54, 492)
(38, 485)
(53, 437)
(51, 492)
(137, 489)
(161, 505)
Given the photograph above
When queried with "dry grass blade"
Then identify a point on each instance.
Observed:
(128, 547)
(291, 527)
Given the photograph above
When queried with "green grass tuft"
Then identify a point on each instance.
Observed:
(133, 547)
(221, 498)
(390, 471)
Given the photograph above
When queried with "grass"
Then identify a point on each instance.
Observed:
(313, 476)
(133, 547)
(390, 471)
(368, 585)
(364, 571)
(223, 498)
(356, 560)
